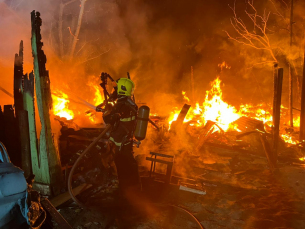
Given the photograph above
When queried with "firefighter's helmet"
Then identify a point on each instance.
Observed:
(125, 86)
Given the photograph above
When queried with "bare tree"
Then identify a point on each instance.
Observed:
(258, 37)
(79, 23)
(60, 22)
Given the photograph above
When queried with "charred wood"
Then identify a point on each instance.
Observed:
(302, 115)
(23, 122)
(278, 80)
(10, 127)
(205, 133)
(246, 124)
(268, 151)
(48, 172)
(18, 78)
(176, 125)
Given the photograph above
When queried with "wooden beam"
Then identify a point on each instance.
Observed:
(302, 115)
(18, 77)
(278, 80)
(64, 197)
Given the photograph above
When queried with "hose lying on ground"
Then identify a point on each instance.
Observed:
(77, 162)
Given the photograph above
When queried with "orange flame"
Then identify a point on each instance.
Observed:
(61, 105)
(99, 97)
(215, 109)
(97, 100)
(288, 139)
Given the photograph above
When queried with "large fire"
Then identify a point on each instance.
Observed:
(61, 103)
(215, 109)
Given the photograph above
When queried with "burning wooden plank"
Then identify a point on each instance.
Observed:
(246, 124)
(205, 133)
(183, 113)
(181, 117)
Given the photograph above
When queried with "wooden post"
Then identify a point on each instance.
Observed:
(275, 80)
(278, 80)
(18, 75)
(22, 138)
(18, 105)
(290, 71)
(302, 115)
(50, 179)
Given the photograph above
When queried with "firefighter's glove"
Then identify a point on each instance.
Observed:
(99, 107)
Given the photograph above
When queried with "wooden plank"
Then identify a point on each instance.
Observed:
(268, 151)
(159, 161)
(162, 155)
(64, 197)
(205, 133)
(302, 114)
(246, 124)
(48, 155)
(176, 125)
(183, 113)
(55, 215)
(18, 77)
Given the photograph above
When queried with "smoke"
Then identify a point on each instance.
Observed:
(157, 42)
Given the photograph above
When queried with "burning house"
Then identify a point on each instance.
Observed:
(198, 122)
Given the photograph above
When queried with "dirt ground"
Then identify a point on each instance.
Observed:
(240, 193)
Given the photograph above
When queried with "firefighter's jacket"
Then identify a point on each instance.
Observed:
(123, 119)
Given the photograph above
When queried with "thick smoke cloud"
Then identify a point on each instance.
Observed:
(156, 41)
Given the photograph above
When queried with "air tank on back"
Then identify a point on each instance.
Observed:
(142, 122)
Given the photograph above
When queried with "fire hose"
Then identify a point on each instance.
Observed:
(108, 127)
(77, 162)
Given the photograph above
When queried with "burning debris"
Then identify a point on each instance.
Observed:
(210, 163)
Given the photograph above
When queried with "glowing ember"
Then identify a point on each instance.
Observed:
(61, 105)
(184, 96)
(296, 121)
(224, 65)
(302, 159)
(288, 139)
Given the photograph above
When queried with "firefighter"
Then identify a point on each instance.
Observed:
(123, 119)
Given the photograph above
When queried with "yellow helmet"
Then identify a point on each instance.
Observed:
(125, 86)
